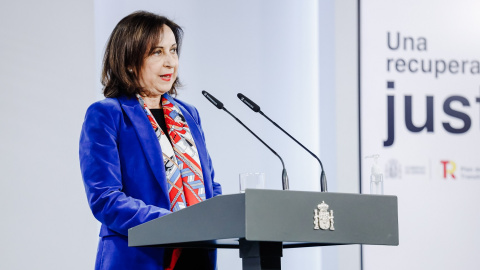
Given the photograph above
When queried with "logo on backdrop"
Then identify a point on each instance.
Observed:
(449, 168)
(452, 170)
(393, 169)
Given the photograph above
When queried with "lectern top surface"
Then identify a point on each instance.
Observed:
(294, 217)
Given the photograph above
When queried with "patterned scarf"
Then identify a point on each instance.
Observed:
(180, 158)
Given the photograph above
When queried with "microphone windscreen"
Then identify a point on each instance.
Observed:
(248, 102)
(213, 100)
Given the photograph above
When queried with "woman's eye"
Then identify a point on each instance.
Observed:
(157, 52)
(173, 50)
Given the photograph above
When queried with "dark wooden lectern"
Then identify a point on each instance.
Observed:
(260, 223)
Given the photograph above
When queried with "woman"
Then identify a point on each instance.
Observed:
(143, 152)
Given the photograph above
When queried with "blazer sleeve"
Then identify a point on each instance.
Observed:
(101, 171)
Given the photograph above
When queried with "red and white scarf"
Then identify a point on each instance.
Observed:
(180, 157)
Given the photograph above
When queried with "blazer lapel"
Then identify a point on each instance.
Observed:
(148, 139)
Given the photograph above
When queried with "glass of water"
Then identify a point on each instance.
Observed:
(251, 181)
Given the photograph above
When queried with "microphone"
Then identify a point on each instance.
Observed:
(220, 106)
(256, 108)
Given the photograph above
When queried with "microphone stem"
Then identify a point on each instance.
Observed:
(321, 165)
(322, 177)
(284, 172)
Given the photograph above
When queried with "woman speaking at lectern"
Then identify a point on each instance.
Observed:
(142, 151)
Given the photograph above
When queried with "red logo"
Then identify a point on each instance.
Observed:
(449, 168)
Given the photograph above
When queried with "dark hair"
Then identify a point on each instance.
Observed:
(128, 45)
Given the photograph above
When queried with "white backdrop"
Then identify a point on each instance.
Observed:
(423, 51)
(279, 53)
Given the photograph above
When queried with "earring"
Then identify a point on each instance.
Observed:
(130, 70)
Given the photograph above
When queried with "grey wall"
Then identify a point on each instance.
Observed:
(291, 57)
(46, 80)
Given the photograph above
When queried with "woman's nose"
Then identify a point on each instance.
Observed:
(170, 61)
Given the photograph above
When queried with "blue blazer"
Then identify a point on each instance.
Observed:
(124, 177)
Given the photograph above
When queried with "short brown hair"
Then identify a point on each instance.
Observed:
(127, 47)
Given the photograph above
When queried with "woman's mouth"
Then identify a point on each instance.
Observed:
(166, 77)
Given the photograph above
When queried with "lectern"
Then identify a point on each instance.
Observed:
(261, 223)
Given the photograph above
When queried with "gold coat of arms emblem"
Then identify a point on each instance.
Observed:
(323, 219)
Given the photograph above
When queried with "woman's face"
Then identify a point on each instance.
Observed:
(159, 69)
